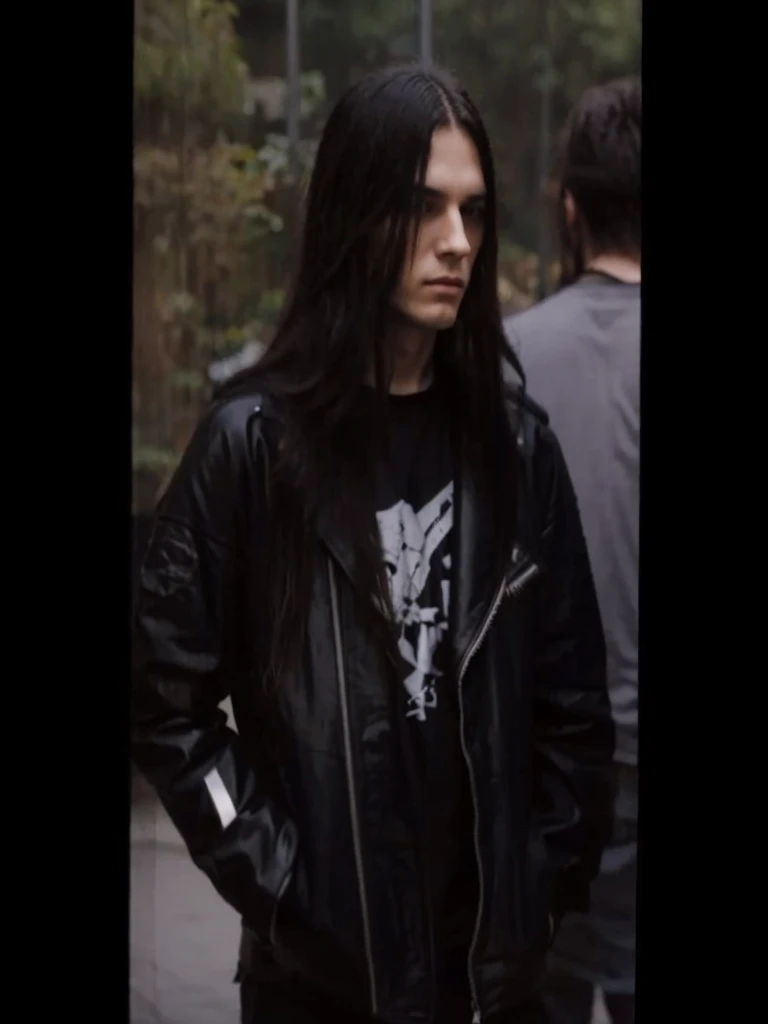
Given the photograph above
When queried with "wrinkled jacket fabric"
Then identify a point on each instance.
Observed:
(304, 819)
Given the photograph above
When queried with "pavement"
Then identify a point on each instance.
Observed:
(183, 936)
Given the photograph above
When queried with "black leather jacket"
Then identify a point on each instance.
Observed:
(298, 819)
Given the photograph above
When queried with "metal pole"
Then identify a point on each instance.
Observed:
(545, 145)
(544, 155)
(293, 85)
(425, 33)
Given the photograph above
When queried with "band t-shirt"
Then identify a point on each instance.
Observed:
(415, 505)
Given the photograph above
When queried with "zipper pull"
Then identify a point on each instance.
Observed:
(520, 578)
(475, 1015)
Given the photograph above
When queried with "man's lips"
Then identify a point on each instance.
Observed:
(446, 282)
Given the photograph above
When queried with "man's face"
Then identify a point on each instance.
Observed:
(432, 284)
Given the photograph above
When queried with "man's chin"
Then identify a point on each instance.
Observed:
(436, 321)
(428, 320)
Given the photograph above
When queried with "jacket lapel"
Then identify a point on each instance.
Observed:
(475, 575)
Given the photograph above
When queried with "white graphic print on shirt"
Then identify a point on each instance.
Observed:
(414, 545)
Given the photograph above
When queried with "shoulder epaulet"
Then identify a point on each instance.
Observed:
(519, 395)
(538, 411)
(252, 403)
(526, 416)
(266, 406)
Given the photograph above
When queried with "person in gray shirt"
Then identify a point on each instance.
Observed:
(580, 351)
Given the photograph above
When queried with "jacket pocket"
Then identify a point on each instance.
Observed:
(292, 921)
(274, 923)
(255, 959)
(541, 887)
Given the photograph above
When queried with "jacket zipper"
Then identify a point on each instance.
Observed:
(511, 587)
(516, 584)
(351, 786)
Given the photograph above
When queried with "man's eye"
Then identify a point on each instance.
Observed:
(474, 211)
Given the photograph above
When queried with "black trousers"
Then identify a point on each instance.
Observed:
(275, 1003)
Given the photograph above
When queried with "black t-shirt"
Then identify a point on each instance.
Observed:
(414, 503)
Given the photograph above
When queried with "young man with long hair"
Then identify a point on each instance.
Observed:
(372, 545)
(581, 354)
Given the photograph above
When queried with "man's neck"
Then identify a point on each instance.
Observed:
(624, 268)
(413, 369)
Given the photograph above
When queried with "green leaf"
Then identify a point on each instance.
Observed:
(153, 459)
(190, 380)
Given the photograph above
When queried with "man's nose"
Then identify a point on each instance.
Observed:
(455, 241)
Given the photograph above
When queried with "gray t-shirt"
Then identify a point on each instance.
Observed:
(580, 350)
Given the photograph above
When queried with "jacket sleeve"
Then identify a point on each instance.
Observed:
(185, 650)
(574, 734)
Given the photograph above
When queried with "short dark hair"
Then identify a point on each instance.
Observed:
(600, 163)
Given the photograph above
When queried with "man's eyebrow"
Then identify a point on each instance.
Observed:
(433, 193)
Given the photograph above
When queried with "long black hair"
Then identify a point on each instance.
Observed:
(363, 197)
(600, 167)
